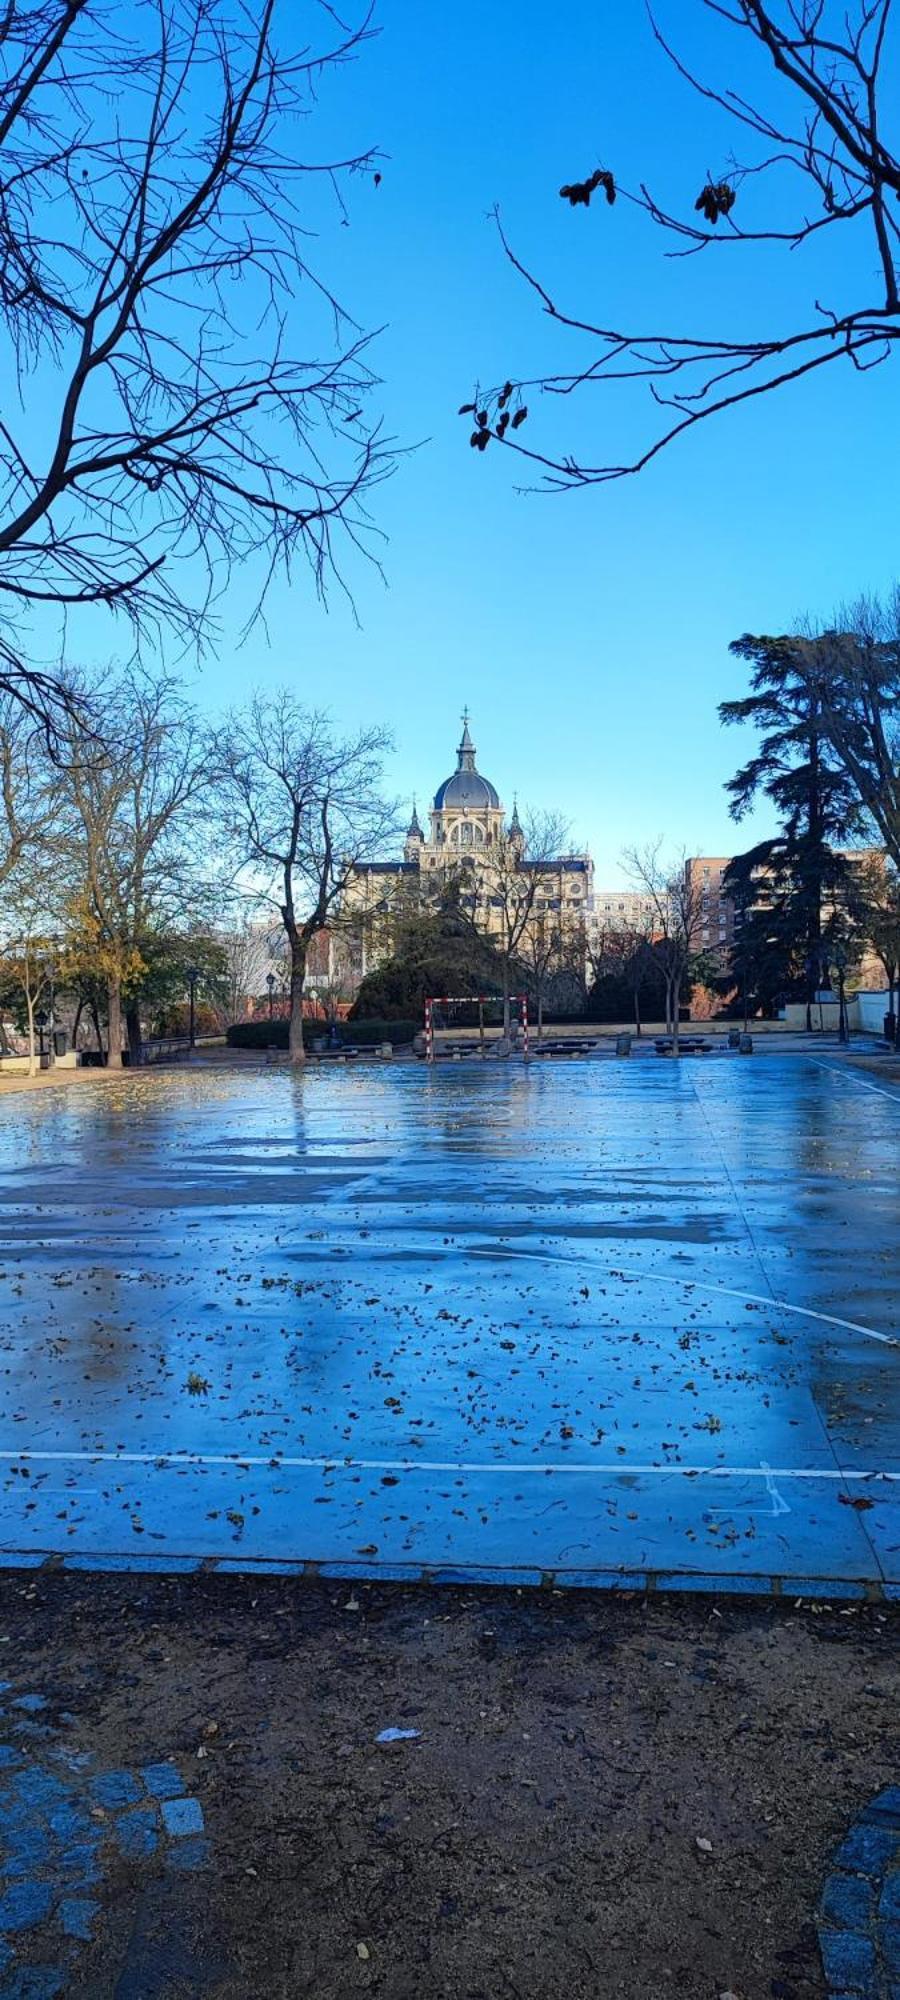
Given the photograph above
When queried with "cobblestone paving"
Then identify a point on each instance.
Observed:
(859, 1921)
(63, 1824)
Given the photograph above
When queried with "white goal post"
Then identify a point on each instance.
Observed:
(479, 1000)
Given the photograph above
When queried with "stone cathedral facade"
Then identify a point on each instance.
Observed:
(467, 831)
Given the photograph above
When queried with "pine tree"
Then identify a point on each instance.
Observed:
(783, 883)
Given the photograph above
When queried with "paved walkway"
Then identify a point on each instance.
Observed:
(621, 1323)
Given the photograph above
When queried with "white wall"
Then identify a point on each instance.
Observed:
(865, 1013)
(872, 1008)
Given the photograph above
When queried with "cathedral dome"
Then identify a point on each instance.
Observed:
(466, 790)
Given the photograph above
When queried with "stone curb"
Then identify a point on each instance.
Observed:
(859, 1915)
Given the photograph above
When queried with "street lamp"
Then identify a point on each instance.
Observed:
(839, 960)
(270, 982)
(193, 976)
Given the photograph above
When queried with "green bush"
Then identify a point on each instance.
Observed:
(356, 1034)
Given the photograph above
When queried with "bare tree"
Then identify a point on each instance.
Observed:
(822, 153)
(542, 953)
(872, 899)
(131, 845)
(26, 787)
(675, 901)
(245, 950)
(624, 952)
(156, 209)
(506, 886)
(29, 948)
(303, 810)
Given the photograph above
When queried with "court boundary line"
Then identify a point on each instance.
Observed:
(290, 1462)
(636, 1273)
(851, 1076)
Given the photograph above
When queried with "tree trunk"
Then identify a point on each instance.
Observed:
(637, 1010)
(540, 1012)
(77, 1023)
(673, 1009)
(114, 1028)
(298, 974)
(133, 1028)
(98, 1031)
(506, 1023)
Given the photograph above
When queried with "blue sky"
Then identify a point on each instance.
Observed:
(587, 633)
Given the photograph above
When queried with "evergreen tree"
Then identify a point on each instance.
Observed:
(782, 883)
(436, 950)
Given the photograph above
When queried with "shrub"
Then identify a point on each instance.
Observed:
(359, 1034)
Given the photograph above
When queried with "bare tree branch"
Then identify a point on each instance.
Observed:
(829, 63)
(155, 218)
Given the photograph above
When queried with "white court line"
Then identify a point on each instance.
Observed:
(621, 1467)
(638, 1273)
(850, 1076)
(758, 1299)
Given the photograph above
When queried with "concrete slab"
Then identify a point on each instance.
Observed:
(606, 1321)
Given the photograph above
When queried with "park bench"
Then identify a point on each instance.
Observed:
(165, 1048)
(688, 1045)
(353, 1051)
(568, 1045)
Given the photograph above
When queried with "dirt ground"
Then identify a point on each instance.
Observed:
(538, 1837)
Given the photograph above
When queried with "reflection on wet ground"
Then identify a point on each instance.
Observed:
(581, 1322)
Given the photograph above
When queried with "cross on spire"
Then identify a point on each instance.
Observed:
(466, 751)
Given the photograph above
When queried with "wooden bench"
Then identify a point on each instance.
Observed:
(569, 1046)
(688, 1045)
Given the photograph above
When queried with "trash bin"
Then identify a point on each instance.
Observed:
(890, 1027)
(60, 1042)
(746, 1045)
(734, 1038)
(623, 1045)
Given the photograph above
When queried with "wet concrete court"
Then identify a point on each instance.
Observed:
(590, 1323)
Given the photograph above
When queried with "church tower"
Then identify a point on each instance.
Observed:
(412, 850)
(467, 812)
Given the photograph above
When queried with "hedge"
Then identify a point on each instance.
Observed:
(352, 1034)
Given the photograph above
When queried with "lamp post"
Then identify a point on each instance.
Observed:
(270, 982)
(839, 959)
(51, 1010)
(193, 976)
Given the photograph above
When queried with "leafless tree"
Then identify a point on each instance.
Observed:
(245, 950)
(303, 810)
(506, 885)
(27, 786)
(872, 904)
(820, 160)
(156, 210)
(675, 901)
(131, 842)
(542, 954)
(29, 949)
(623, 951)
